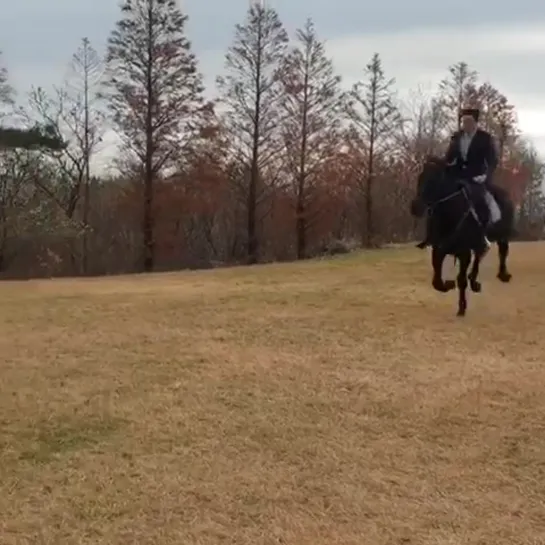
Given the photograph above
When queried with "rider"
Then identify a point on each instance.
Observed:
(473, 157)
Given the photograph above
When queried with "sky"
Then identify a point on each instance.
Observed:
(417, 40)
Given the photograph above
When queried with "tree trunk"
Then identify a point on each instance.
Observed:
(86, 189)
(252, 205)
(252, 189)
(301, 223)
(369, 225)
(371, 174)
(147, 220)
(301, 230)
(147, 223)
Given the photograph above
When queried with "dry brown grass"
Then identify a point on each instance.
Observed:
(318, 403)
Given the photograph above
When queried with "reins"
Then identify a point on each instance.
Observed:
(463, 190)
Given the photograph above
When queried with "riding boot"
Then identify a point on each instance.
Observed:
(483, 214)
(484, 243)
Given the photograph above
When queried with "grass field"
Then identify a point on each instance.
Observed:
(332, 402)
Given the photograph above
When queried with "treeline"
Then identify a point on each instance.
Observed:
(285, 164)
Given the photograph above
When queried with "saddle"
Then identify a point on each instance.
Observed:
(477, 195)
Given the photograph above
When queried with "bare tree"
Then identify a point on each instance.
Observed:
(87, 69)
(6, 90)
(62, 171)
(312, 108)
(532, 205)
(71, 112)
(376, 118)
(23, 215)
(500, 118)
(252, 93)
(423, 130)
(11, 188)
(458, 88)
(155, 94)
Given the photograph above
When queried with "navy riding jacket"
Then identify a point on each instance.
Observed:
(482, 156)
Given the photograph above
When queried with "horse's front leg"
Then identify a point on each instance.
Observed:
(464, 261)
(503, 253)
(474, 284)
(437, 259)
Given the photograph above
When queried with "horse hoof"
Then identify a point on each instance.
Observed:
(475, 286)
(505, 277)
(449, 285)
(438, 286)
(461, 313)
(443, 286)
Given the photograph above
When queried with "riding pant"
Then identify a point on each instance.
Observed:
(493, 209)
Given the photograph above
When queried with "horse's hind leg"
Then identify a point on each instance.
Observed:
(461, 280)
(474, 284)
(437, 259)
(503, 253)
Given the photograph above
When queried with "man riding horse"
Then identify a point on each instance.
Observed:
(472, 157)
(463, 207)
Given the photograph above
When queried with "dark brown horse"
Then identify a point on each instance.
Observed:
(456, 229)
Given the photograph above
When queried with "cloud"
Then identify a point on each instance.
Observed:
(508, 56)
(415, 44)
(534, 122)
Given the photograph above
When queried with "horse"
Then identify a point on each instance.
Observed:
(456, 228)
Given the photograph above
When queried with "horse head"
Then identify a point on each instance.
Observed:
(428, 184)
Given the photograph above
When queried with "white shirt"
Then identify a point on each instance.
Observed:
(465, 142)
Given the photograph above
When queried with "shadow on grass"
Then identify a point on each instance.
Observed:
(55, 437)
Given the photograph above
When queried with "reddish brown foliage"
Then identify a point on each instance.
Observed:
(513, 177)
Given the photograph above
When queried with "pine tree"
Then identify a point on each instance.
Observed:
(6, 90)
(87, 70)
(376, 117)
(458, 89)
(252, 94)
(155, 94)
(312, 122)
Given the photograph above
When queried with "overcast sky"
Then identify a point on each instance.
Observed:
(417, 39)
